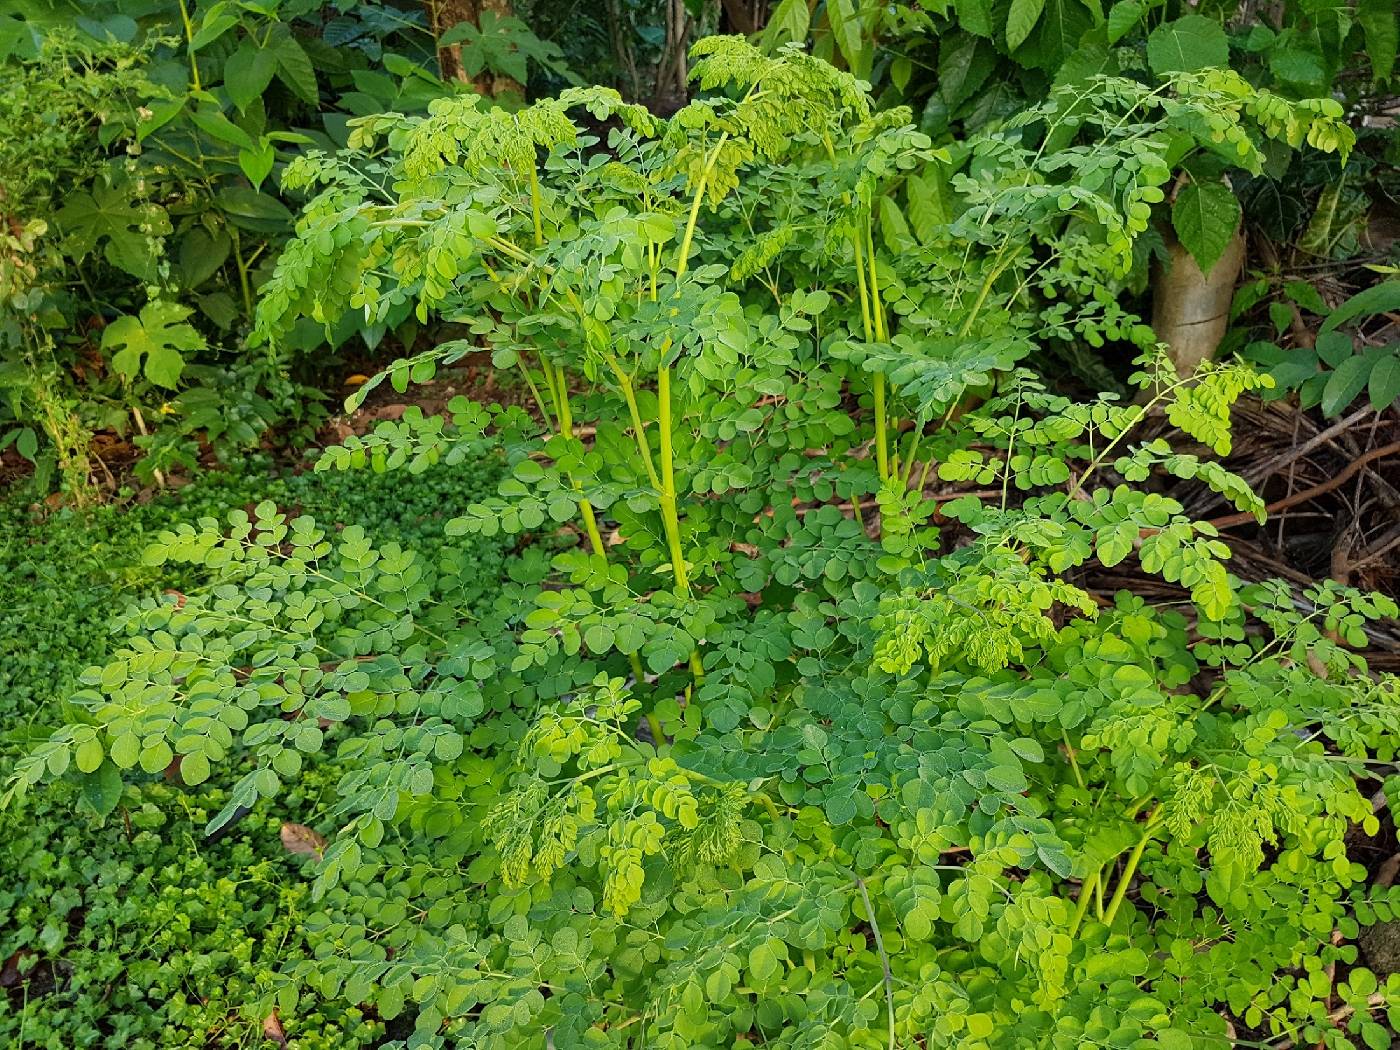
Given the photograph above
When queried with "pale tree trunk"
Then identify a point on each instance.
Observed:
(1191, 310)
(442, 16)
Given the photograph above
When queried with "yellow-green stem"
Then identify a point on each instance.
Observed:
(882, 446)
(877, 307)
(668, 482)
(877, 315)
(629, 394)
(189, 40)
(1073, 760)
(590, 520)
(535, 393)
(1086, 893)
(658, 734)
(913, 453)
(1130, 868)
(982, 297)
(566, 427)
(683, 253)
(244, 286)
(923, 474)
(535, 206)
(670, 514)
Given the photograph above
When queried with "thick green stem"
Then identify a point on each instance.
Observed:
(670, 514)
(877, 316)
(882, 444)
(882, 452)
(668, 482)
(1130, 868)
(629, 394)
(560, 389)
(658, 734)
(1086, 894)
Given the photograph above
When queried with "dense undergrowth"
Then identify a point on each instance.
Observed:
(786, 750)
(138, 931)
(750, 679)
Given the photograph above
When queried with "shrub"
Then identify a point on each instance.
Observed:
(789, 749)
(139, 172)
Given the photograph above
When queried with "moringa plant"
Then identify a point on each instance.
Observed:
(784, 745)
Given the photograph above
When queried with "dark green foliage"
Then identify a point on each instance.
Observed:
(140, 166)
(137, 931)
(1340, 369)
(146, 937)
(67, 575)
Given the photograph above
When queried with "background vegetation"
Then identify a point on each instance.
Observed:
(890, 548)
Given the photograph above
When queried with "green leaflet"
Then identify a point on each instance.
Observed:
(1021, 20)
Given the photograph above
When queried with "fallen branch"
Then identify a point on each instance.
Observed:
(1317, 490)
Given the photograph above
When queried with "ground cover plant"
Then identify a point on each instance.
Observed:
(784, 746)
(137, 931)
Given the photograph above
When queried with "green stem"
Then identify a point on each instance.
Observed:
(658, 735)
(535, 206)
(884, 959)
(1130, 869)
(535, 392)
(877, 314)
(629, 394)
(559, 387)
(1073, 762)
(882, 447)
(1098, 460)
(981, 298)
(683, 252)
(1086, 893)
(913, 452)
(670, 514)
(566, 427)
(189, 41)
(668, 482)
(923, 474)
(244, 284)
(882, 454)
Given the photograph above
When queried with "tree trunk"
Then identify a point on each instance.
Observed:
(672, 79)
(745, 16)
(619, 33)
(1191, 310)
(442, 16)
